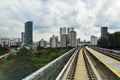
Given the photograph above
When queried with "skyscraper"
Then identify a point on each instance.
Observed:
(104, 31)
(63, 37)
(78, 42)
(62, 30)
(70, 29)
(63, 40)
(73, 39)
(29, 33)
(53, 41)
(22, 37)
(68, 33)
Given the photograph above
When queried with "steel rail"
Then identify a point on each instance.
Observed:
(93, 73)
(70, 67)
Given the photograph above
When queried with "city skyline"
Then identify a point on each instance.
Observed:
(86, 17)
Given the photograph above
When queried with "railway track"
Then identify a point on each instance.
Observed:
(69, 71)
(105, 64)
(107, 52)
(72, 71)
(92, 72)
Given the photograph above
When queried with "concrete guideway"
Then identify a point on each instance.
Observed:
(112, 53)
(85, 70)
(112, 64)
(52, 69)
(79, 67)
(81, 70)
(67, 72)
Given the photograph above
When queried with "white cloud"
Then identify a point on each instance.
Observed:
(49, 15)
(3, 28)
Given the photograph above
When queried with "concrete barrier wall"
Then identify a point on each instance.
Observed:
(51, 70)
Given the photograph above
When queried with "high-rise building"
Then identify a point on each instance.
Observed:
(68, 33)
(63, 37)
(42, 43)
(29, 33)
(62, 30)
(22, 37)
(53, 41)
(78, 42)
(70, 29)
(93, 40)
(73, 39)
(63, 40)
(104, 31)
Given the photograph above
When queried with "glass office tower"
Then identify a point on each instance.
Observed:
(29, 33)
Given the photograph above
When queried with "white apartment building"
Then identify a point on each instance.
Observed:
(53, 41)
(63, 40)
(7, 42)
(42, 43)
(73, 39)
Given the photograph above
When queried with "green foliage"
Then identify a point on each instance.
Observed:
(103, 42)
(40, 48)
(24, 51)
(46, 55)
(22, 64)
(111, 41)
(17, 68)
(3, 50)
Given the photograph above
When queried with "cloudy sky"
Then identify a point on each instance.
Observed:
(86, 16)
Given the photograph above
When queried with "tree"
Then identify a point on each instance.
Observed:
(117, 39)
(103, 42)
(24, 51)
(40, 48)
(111, 41)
